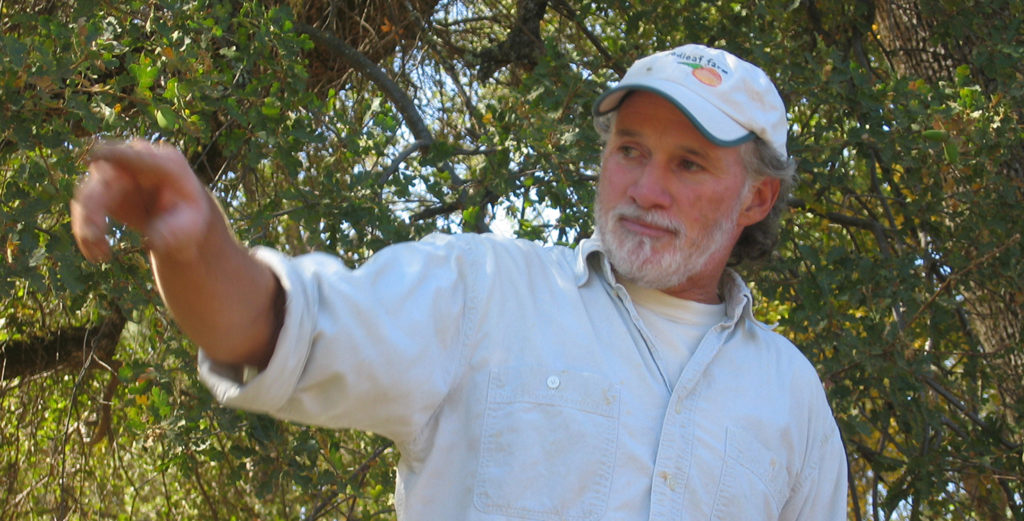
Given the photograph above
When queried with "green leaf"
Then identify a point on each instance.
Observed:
(952, 153)
(145, 73)
(271, 107)
(166, 118)
(171, 91)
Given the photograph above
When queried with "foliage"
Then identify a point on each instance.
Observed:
(897, 272)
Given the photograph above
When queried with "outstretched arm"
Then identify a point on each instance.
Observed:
(221, 297)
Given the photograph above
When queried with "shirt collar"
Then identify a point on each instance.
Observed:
(590, 256)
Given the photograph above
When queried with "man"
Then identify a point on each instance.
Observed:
(626, 379)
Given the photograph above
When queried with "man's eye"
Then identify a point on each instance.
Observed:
(628, 151)
(689, 166)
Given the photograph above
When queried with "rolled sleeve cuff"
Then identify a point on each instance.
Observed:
(267, 391)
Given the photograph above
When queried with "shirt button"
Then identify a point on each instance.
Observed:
(553, 382)
(669, 479)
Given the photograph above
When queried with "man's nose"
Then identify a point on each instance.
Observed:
(649, 188)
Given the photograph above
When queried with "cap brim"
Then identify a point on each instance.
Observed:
(717, 127)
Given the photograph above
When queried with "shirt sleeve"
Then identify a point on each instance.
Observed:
(376, 348)
(821, 493)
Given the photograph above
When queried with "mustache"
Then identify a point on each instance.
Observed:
(651, 218)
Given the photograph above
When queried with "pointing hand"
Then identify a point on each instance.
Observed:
(150, 188)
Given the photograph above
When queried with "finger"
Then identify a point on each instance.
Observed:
(92, 244)
(95, 200)
(160, 170)
(148, 163)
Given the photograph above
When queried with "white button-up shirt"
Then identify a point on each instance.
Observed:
(518, 382)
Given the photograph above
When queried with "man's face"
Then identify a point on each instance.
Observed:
(670, 203)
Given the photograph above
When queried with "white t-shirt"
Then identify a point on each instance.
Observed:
(677, 325)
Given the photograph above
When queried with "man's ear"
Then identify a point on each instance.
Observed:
(759, 200)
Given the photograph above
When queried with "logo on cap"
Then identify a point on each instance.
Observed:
(706, 75)
(704, 68)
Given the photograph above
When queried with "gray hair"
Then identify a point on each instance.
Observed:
(604, 125)
(758, 240)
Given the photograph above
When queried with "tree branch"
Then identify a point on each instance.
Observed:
(406, 107)
(65, 347)
(397, 162)
(523, 44)
(563, 8)
(962, 407)
(435, 211)
(875, 227)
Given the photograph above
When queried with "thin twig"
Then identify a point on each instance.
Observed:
(956, 275)
(959, 404)
(328, 504)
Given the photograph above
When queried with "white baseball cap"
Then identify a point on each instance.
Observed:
(729, 100)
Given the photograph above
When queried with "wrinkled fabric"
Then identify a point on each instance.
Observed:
(518, 382)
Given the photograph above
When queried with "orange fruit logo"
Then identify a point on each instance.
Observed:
(706, 75)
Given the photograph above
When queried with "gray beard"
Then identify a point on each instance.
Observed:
(635, 258)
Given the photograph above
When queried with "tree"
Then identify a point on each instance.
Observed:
(347, 126)
(919, 159)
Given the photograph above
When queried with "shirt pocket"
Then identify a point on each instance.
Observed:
(548, 444)
(754, 481)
